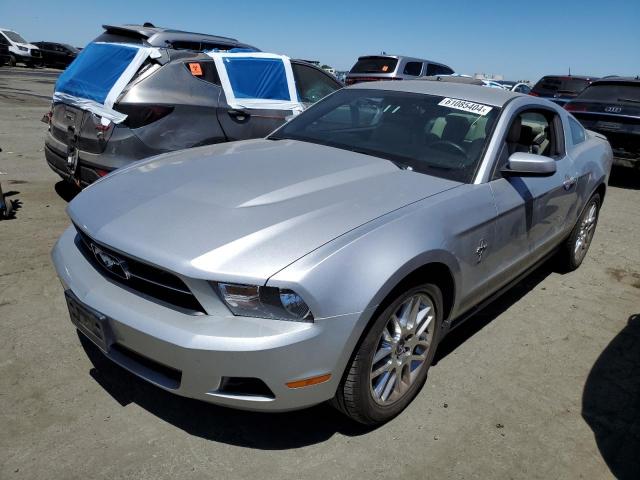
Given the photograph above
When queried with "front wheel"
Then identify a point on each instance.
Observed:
(576, 246)
(390, 366)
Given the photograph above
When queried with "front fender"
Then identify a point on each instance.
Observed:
(356, 271)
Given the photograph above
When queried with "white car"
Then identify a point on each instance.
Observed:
(19, 49)
(492, 84)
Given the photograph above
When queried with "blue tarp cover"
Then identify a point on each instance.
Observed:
(96, 70)
(260, 78)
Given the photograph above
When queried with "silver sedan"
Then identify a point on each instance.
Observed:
(328, 260)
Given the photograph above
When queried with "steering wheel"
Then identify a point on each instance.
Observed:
(448, 146)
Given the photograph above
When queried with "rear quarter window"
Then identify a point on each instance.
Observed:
(578, 134)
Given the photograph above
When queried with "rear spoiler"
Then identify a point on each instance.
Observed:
(129, 31)
(597, 135)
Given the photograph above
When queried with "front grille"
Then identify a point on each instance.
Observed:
(142, 278)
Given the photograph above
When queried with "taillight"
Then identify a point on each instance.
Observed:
(46, 118)
(142, 115)
(533, 94)
(101, 173)
(575, 107)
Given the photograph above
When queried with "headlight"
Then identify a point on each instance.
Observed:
(264, 302)
(24, 49)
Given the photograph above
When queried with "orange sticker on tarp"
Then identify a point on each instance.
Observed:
(196, 69)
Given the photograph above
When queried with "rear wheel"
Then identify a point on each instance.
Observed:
(576, 246)
(391, 363)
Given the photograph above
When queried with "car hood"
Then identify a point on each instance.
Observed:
(30, 46)
(242, 211)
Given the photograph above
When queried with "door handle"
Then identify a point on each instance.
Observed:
(569, 182)
(239, 115)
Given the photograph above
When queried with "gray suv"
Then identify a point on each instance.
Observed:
(373, 68)
(168, 107)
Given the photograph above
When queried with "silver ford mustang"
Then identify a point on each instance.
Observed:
(328, 260)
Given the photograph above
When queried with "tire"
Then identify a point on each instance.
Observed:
(373, 398)
(12, 61)
(575, 247)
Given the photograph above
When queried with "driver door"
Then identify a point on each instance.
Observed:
(533, 211)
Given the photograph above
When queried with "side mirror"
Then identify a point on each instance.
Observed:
(528, 164)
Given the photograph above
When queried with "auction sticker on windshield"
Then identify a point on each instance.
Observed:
(465, 106)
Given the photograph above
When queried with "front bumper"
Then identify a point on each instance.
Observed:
(206, 348)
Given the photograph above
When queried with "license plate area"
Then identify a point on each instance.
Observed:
(93, 324)
(613, 126)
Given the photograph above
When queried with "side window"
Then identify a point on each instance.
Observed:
(204, 70)
(413, 68)
(434, 69)
(532, 131)
(312, 85)
(578, 134)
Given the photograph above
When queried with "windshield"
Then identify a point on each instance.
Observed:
(549, 86)
(14, 37)
(375, 65)
(430, 134)
(613, 92)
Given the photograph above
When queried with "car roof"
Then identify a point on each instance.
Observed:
(157, 36)
(617, 80)
(475, 93)
(579, 77)
(403, 57)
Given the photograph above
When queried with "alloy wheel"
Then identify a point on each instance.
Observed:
(402, 349)
(585, 235)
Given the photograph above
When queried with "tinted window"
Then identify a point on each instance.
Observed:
(578, 134)
(413, 68)
(375, 65)
(434, 69)
(185, 45)
(549, 86)
(613, 92)
(204, 70)
(410, 129)
(312, 84)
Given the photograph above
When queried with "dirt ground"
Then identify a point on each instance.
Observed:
(545, 383)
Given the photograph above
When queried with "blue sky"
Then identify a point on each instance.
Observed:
(519, 39)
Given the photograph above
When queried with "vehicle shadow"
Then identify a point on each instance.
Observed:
(611, 402)
(625, 177)
(496, 308)
(264, 431)
(66, 191)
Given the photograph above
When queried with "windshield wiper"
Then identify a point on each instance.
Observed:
(631, 100)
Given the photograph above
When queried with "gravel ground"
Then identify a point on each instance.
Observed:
(545, 383)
